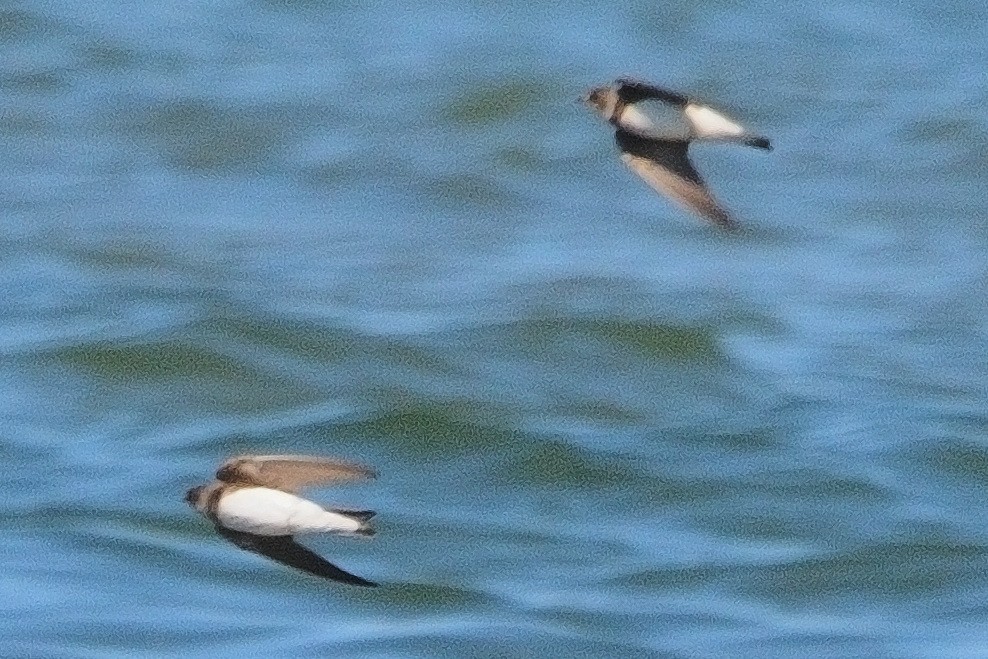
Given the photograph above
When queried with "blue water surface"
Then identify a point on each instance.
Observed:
(392, 234)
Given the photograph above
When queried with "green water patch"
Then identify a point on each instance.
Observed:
(558, 464)
(412, 598)
(448, 427)
(671, 578)
(921, 567)
(521, 159)
(657, 340)
(104, 54)
(597, 411)
(649, 338)
(197, 135)
(16, 24)
(321, 343)
(172, 370)
(960, 459)
(143, 361)
(128, 253)
(492, 104)
(46, 81)
(459, 189)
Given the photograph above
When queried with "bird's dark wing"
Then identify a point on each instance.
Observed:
(632, 91)
(665, 165)
(284, 549)
(289, 472)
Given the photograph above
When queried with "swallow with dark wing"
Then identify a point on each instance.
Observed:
(654, 128)
(254, 504)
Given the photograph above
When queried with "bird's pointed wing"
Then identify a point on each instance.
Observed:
(284, 549)
(634, 91)
(289, 472)
(665, 166)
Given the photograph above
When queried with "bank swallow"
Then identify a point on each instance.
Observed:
(654, 129)
(254, 504)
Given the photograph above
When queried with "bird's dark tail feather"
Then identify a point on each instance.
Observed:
(759, 142)
(362, 516)
(359, 515)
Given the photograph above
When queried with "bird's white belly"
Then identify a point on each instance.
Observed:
(709, 124)
(655, 120)
(264, 511)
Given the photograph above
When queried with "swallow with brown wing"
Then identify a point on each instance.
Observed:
(254, 504)
(655, 127)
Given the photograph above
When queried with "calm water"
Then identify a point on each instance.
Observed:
(602, 428)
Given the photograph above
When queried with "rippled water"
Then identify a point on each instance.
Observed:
(392, 235)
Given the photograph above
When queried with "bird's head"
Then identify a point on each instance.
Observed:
(602, 100)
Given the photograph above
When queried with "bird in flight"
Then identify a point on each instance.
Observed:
(654, 128)
(255, 505)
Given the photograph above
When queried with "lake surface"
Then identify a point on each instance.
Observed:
(392, 235)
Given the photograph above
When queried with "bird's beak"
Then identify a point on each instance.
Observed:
(192, 496)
